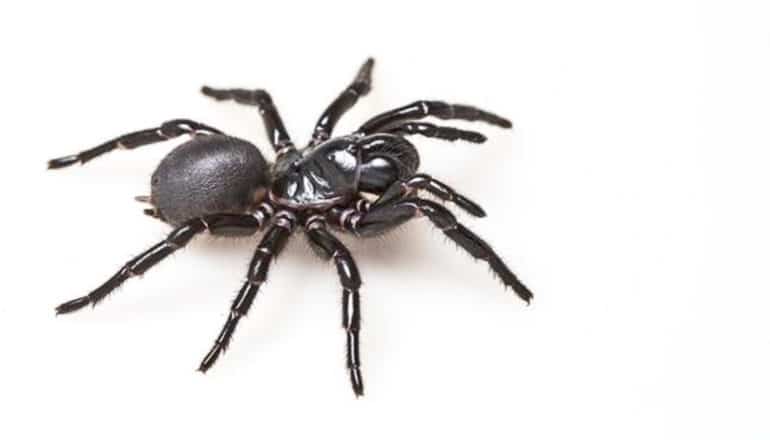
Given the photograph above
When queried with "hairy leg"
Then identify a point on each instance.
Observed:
(276, 131)
(423, 109)
(271, 245)
(399, 189)
(380, 219)
(177, 239)
(167, 130)
(330, 248)
(360, 86)
(436, 131)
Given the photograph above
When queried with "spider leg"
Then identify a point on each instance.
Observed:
(329, 247)
(381, 218)
(167, 130)
(437, 131)
(388, 167)
(423, 109)
(360, 86)
(397, 190)
(276, 131)
(271, 245)
(177, 239)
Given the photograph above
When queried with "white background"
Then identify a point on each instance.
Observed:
(632, 196)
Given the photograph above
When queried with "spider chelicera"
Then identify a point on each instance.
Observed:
(365, 183)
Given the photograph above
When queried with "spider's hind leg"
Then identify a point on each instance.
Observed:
(276, 131)
(167, 130)
(177, 239)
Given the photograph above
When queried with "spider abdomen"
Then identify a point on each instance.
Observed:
(209, 175)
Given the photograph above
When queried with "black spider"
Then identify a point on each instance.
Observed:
(223, 185)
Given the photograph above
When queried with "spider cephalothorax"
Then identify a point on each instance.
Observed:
(364, 183)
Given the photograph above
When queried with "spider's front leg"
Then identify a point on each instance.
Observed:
(403, 121)
(422, 109)
(388, 169)
(360, 86)
(399, 189)
(437, 131)
(383, 217)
